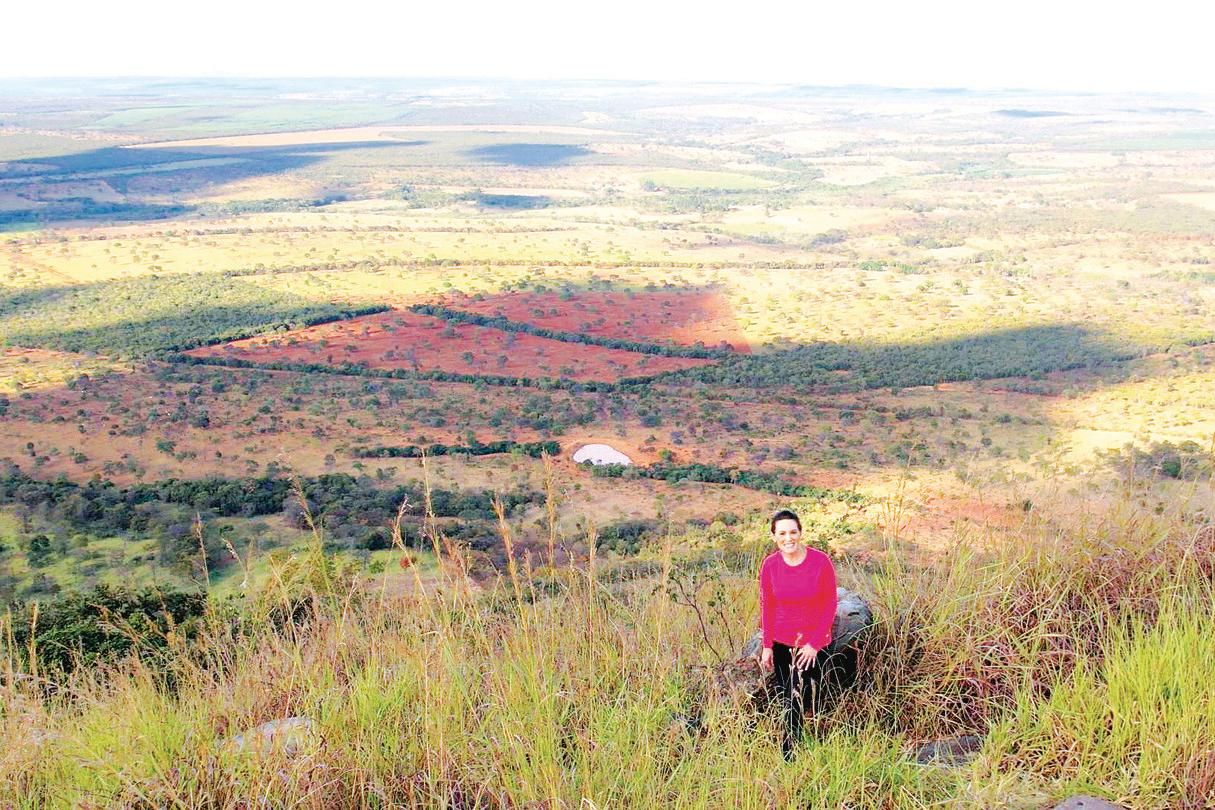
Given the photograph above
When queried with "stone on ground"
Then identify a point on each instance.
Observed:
(1087, 803)
(290, 736)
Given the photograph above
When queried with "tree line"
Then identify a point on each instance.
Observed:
(363, 370)
(351, 512)
(507, 325)
(1018, 352)
(713, 474)
(477, 448)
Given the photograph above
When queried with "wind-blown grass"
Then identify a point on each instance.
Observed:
(1083, 655)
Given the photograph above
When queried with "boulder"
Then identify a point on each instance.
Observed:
(742, 682)
(852, 617)
(949, 751)
(290, 737)
(1086, 803)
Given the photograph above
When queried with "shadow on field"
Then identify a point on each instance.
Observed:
(136, 317)
(513, 202)
(132, 317)
(1029, 351)
(528, 154)
(130, 170)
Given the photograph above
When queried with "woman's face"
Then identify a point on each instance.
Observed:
(788, 535)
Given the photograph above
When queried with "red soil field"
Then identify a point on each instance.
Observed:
(677, 316)
(404, 340)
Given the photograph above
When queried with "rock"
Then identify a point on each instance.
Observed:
(290, 736)
(736, 683)
(852, 617)
(742, 682)
(1087, 803)
(681, 725)
(949, 751)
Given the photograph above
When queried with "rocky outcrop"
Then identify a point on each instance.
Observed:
(742, 682)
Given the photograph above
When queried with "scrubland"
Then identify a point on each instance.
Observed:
(970, 340)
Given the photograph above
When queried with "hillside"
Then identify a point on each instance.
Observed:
(291, 388)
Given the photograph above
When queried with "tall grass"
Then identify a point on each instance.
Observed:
(1083, 654)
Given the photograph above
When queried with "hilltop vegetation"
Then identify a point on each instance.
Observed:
(1025, 351)
(292, 375)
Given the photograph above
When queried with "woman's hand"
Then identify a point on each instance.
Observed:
(804, 658)
(765, 659)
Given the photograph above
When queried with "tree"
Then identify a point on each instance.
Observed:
(38, 550)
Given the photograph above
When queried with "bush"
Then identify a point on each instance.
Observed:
(105, 624)
(626, 536)
(1182, 461)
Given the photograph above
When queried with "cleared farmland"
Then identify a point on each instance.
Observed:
(408, 341)
(683, 316)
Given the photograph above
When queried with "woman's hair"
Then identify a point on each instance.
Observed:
(783, 514)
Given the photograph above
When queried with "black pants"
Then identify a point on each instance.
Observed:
(797, 692)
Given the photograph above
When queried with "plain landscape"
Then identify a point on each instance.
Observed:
(292, 374)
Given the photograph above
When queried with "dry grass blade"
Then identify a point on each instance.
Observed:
(550, 507)
(508, 540)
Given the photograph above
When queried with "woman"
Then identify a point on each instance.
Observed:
(797, 609)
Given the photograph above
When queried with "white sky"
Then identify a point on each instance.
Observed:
(1164, 45)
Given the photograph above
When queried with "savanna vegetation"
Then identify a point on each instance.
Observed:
(65, 536)
(533, 449)
(973, 347)
(712, 474)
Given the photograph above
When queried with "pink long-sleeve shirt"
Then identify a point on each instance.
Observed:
(797, 602)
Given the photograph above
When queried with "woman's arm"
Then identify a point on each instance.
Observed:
(765, 606)
(765, 618)
(822, 606)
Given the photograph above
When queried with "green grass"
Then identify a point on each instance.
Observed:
(1137, 723)
(1084, 656)
(89, 561)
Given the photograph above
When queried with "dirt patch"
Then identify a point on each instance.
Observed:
(681, 317)
(405, 340)
(936, 518)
